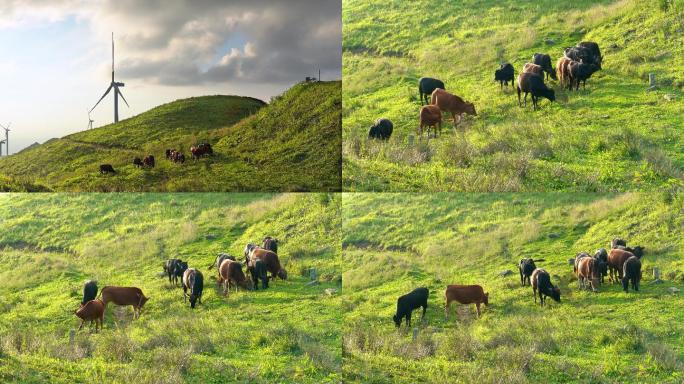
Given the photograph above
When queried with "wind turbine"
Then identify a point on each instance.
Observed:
(90, 121)
(113, 85)
(6, 141)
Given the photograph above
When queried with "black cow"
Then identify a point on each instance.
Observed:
(219, 259)
(174, 268)
(583, 55)
(382, 129)
(580, 72)
(271, 244)
(137, 162)
(194, 281)
(505, 74)
(410, 301)
(526, 267)
(541, 281)
(427, 85)
(602, 256)
(617, 242)
(594, 49)
(106, 168)
(89, 291)
(637, 251)
(631, 271)
(257, 269)
(544, 61)
(531, 83)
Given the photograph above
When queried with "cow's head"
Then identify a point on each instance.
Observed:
(193, 300)
(486, 298)
(470, 109)
(638, 251)
(143, 301)
(282, 274)
(555, 294)
(397, 320)
(181, 266)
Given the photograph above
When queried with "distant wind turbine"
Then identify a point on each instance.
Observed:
(117, 92)
(6, 141)
(90, 121)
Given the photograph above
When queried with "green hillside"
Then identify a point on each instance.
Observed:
(614, 136)
(291, 144)
(393, 243)
(51, 243)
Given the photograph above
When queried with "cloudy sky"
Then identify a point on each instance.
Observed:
(55, 55)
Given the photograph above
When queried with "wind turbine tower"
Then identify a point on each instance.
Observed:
(6, 141)
(117, 92)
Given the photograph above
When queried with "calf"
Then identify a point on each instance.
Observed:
(544, 61)
(504, 74)
(92, 311)
(408, 302)
(534, 84)
(562, 67)
(526, 267)
(631, 271)
(430, 116)
(89, 291)
(106, 168)
(465, 294)
(257, 270)
(533, 68)
(453, 104)
(616, 261)
(125, 296)
(580, 72)
(231, 274)
(381, 130)
(174, 268)
(427, 85)
(588, 274)
(194, 281)
(541, 282)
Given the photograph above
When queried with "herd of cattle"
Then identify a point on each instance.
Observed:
(575, 66)
(621, 263)
(197, 152)
(259, 261)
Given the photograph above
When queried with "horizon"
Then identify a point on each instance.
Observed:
(186, 51)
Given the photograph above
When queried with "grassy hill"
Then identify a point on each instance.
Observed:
(614, 136)
(393, 243)
(51, 243)
(291, 144)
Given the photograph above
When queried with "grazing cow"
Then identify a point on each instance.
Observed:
(578, 257)
(271, 244)
(257, 271)
(526, 267)
(544, 61)
(617, 242)
(89, 291)
(505, 74)
(178, 157)
(453, 104)
(562, 67)
(637, 251)
(427, 85)
(93, 311)
(582, 55)
(541, 281)
(430, 116)
(381, 130)
(174, 268)
(219, 259)
(148, 161)
(137, 162)
(125, 296)
(595, 51)
(631, 271)
(465, 294)
(198, 151)
(533, 68)
(580, 72)
(231, 274)
(271, 261)
(194, 281)
(534, 84)
(588, 273)
(407, 303)
(106, 168)
(616, 261)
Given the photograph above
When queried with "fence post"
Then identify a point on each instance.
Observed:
(656, 273)
(313, 275)
(72, 334)
(651, 80)
(411, 139)
(415, 334)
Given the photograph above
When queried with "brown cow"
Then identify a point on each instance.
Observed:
(92, 311)
(616, 261)
(430, 116)
(230, 274)
(125, 296)
(533, 68)
(563, 72)
(453, 104)
(272, 262)
(588, 272)
(465, 294)
(271, 244)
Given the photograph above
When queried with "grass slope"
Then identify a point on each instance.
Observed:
(393, 243)
(613, 136)
(51, 243)
(291, 144)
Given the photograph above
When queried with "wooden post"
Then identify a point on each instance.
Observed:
(72, 334)
(313, 275)
(651, 80)
(411, 139)
(415, 334)
(656, 273)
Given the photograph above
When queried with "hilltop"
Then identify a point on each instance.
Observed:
(614, 136)
(433, 240)
(291, 144)
(51, 243)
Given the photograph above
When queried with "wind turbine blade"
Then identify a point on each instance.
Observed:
(103, 96)
(122, 97)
